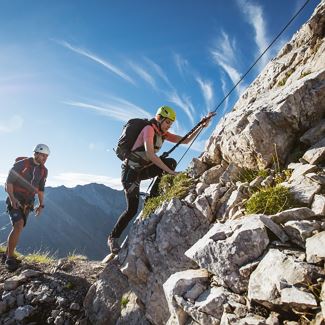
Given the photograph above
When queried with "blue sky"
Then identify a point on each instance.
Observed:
(73, 72)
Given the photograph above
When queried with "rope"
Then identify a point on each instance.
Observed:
(249, 69)
(166, 154)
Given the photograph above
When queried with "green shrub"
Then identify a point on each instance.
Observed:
(170, 187)
(270, 200)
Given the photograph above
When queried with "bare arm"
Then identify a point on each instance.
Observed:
(40, 206)
(148, 145)
(193, 135)
(13, 201)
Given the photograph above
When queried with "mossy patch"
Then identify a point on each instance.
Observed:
(270, 200)
(170, 187)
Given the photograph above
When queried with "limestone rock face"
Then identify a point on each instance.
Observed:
(315, 248)
(180, 284)
(276, 272)
(223, 250)
(202, 259)
(103, 299)
(288, 97)
(156, 248)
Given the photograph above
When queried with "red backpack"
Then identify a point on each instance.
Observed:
(27, 166)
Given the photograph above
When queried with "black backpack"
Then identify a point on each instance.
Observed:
(129, 135)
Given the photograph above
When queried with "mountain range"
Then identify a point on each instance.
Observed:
(3, 193)
(75, 221)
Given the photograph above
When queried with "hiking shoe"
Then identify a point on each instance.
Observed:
(113, 245)
(12, 264)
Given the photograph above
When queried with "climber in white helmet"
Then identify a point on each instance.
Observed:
(26, 179)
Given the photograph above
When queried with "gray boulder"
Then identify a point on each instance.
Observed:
(274, 273)
(227, 247)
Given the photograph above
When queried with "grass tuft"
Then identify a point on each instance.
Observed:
(304, 74)
(76, 257)
(283, 81)
(270, 200)
(170, 187)
(3, 249)
(40, 257)
(247, 175)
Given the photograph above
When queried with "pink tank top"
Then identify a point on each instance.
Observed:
(148, 133)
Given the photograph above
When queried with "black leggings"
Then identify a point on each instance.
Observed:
(131, 183)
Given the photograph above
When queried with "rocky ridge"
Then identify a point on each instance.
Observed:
(47, 293)
(201, 259)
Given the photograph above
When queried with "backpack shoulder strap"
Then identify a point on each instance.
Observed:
(43, 171)
(26, 164)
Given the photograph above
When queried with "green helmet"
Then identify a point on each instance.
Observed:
(166, 112)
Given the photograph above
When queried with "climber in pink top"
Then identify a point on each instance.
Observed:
(143, 163)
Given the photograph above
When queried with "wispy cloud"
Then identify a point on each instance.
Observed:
(121, 110)
(181, 63)
(145, 75)
(11, 125)
(183, 102)
(74, 179)
(70, 179)
(223, 55)
(157, 68)
(253, 13)
(231, 71)
(207, 91)
(227, 49)
(97, 59)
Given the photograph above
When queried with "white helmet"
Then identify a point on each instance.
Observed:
(42, 148)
